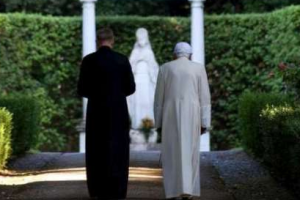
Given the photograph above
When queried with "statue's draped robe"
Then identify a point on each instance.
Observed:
(182, 106)
(106, 79)
(145, 70)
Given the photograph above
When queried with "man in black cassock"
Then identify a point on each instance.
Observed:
(106, 79)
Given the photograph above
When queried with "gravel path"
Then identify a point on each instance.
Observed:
(228, 175)
(245, 178)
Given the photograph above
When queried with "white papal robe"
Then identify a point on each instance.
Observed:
(182, 105)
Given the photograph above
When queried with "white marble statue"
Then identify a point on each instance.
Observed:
(145, 70)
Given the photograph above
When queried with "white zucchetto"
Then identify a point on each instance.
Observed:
(183, 49)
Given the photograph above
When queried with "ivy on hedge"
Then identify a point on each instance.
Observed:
(241, 51)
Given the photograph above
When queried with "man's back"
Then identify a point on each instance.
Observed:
(105, 74)
(182, 80)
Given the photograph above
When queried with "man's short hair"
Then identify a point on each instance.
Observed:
(105, 34)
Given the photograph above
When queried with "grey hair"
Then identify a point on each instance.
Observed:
(183, 49)
(181, 54)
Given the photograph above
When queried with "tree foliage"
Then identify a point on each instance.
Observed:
(142, 7)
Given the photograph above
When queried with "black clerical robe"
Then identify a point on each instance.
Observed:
(106, 79)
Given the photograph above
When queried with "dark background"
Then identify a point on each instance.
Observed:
(142, 7)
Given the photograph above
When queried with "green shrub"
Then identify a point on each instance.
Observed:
(26, 122)
(250, 108)
(270, 127)
(5, 136)
(280, 131)
(241, 51)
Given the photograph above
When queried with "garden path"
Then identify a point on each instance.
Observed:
(226, 175)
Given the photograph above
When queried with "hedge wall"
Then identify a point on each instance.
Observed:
(241, 51)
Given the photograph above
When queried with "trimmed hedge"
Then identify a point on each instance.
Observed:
(250, 108)
(280, 129)
(241, 51)
(270, 125)
(26, 122)
(5, 136)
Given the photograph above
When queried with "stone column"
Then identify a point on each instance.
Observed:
(88, 46)
(197, 29)
(197, 42)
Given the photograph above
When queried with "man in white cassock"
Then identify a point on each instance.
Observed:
(182, 109)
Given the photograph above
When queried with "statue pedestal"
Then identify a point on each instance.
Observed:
(140, 143)
(81, 129)
(145, 147)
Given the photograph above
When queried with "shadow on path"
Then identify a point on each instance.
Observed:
(58, 176)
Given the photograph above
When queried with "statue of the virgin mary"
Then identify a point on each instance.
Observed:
(145, 70)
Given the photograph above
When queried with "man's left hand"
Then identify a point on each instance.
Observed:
(203, 130)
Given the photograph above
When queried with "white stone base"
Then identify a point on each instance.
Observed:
(204, 144)
(82, 142)
(145, 147)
